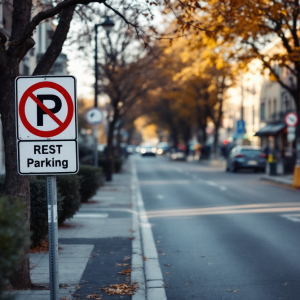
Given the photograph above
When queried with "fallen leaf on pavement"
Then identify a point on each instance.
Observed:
(157, 242)
(159, 251)
(121, 289)
(235, 291)
(164, 254)
(144, 258)
(126, 258)
(122, 265)
(125, 272)
(111, 252)
(94, 296)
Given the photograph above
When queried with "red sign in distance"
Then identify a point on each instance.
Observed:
(291, 119)
(29, 94)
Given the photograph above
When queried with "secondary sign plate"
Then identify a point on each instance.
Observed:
(46, 125)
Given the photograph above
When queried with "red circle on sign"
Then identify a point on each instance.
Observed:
(286, 119)
(27, 95)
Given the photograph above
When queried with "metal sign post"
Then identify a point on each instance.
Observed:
(53, 237)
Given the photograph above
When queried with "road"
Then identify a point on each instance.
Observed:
(221, 235)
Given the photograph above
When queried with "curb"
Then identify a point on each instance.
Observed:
(147, 272)
(277, 180)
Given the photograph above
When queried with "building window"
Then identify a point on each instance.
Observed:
(270, 109)
(40, 38)
(262, 111)
(25, 70)
(275, 109)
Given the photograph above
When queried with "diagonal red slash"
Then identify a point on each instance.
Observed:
(45, 109)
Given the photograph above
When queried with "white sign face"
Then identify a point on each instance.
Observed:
(291, 119)
(94, 116)
(47, 157)
(46, 125)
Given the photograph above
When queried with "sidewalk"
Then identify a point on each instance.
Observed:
(282, 179)
(91, 244)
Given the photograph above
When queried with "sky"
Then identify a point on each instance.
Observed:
(83, 69)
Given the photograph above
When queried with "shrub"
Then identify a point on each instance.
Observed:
(39, 208)
(69, 188)
(118, 162)
(13, 238)
(91, 178)
(102, 162)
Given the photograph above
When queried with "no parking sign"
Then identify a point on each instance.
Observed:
(46, 125)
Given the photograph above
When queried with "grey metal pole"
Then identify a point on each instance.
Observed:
(53, 237)
(96, 97)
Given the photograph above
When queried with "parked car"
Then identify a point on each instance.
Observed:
(163, 148)
(148, 151)
(249, 157)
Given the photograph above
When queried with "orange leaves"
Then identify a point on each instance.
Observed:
(121, 289)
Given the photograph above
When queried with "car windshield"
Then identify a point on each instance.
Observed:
(251, 152)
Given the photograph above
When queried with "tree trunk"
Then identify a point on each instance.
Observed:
(110, 146)
(217, 127)
(16, 186)
(174, 135)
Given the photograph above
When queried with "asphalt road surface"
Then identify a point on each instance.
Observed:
(221, 235)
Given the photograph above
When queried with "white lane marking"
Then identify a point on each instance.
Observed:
(292, 217)
(160, 197)
(211, 183)
(79, 215)
(223, 188)
(153, 273)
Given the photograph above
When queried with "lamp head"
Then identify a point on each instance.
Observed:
(108, 24)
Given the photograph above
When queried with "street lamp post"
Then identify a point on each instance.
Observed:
(108, 24)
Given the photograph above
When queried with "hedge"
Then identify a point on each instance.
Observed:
(69, 188)
(14, 237)
(39, 208)
(91, 178)
(118, 162)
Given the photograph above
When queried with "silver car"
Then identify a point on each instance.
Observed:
(249, 157)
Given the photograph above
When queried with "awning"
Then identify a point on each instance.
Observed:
(270, 129)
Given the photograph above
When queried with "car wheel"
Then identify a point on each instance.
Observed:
(233, 168)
